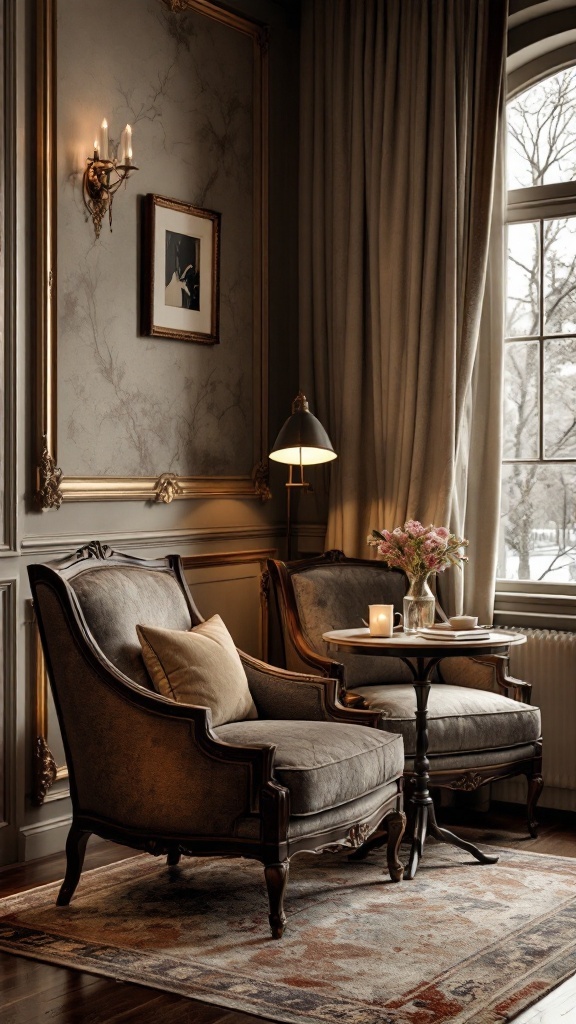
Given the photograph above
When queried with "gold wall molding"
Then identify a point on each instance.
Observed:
(45, 770)
(145, 488)
(46, 384)
(7, 716)
(9, 176)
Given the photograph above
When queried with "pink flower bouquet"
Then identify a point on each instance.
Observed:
(419, 550)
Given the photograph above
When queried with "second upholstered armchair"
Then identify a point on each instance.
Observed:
(481, 724)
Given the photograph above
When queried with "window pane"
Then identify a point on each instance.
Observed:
(521, 400)
(537, 527)
(559, 281)
(560, 399)
(523, 291)
(542, 132)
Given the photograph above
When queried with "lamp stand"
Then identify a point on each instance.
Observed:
(291, 483)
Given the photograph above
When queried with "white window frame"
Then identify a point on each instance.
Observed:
(542, 605)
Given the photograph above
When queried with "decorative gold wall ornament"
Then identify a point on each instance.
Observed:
(45, 770)
(167, 488)
(48, 494)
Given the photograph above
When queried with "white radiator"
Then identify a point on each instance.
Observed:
(548, 661)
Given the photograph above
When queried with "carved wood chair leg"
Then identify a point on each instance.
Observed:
(173, 858)
(396, 826)
(535, 785)
(276, 876)
(75, 850)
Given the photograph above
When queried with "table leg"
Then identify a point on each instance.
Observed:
(423, 815)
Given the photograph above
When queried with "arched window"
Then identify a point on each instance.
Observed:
(538, 524)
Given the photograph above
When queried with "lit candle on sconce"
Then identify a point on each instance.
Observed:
(381, 619)
(104, 140)
(96, 150)
(127, 145)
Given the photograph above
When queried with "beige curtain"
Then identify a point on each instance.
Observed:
(401, 327)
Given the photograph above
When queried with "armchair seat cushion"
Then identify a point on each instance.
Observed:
(459, 718)
(323, 764)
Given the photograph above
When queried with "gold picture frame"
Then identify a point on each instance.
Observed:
(181, 271)
(51, 484)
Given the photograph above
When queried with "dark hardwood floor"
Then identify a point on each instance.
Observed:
(32, 992)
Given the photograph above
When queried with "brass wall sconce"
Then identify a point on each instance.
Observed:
(104, 175)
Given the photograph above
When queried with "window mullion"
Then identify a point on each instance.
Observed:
(541, 351)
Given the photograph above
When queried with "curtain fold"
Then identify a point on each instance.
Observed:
(401, 327)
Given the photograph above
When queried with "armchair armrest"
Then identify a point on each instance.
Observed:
(517, 689)
(484, 672)
(301, 657)
(281, 694)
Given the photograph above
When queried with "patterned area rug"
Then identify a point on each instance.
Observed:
(461, 942)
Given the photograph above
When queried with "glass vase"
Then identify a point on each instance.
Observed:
(419, 604)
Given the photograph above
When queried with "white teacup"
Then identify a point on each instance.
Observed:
(463, 621)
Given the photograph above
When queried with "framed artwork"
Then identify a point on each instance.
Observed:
(181, 271)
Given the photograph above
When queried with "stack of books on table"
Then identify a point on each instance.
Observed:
(443, 632)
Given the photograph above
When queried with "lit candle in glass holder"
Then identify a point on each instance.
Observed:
(381, 619)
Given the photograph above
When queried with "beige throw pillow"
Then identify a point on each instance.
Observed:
(200, 666)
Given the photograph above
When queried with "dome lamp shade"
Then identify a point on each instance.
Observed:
(302, 441)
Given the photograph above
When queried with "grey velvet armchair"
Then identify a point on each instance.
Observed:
(156, 775)
(481, 724)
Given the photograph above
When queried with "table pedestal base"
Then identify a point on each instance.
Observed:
(425, 824)
(424, 815)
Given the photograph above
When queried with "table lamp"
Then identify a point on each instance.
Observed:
(302, 441)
